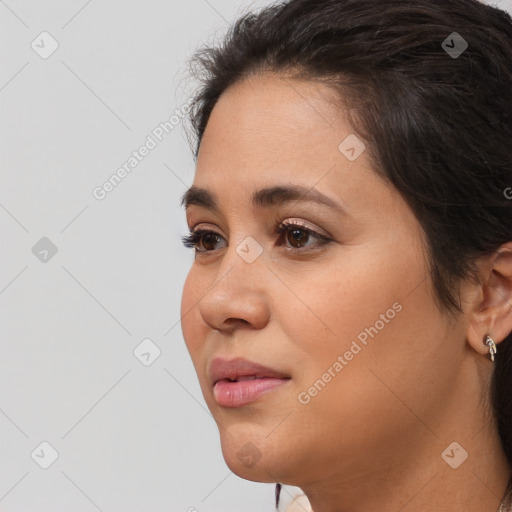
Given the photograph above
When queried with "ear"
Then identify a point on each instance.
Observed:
(491, 306)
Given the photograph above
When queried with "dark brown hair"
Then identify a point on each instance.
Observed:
(437, 125)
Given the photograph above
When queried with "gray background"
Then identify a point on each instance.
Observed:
(132, 434)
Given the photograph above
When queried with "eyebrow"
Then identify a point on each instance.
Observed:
(264, 198)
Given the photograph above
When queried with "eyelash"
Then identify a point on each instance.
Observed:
(195, 237)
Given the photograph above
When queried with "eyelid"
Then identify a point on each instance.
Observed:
(287, 222)
(298, 222)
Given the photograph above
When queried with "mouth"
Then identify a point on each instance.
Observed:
(244, 377)
(239, 382)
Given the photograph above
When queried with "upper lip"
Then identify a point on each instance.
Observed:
(239, 367)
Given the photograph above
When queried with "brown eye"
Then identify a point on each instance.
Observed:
(209, 239)
(201, 237)
(297, 236)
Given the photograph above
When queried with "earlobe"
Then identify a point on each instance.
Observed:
(491, 313)
(476, 337)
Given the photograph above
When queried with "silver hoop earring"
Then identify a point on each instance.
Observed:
(492, 346)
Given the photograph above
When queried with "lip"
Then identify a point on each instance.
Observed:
(231, 393)
(239, 367)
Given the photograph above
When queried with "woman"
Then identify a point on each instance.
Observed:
(349, 308)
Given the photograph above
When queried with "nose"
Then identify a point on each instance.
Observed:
(238, 296)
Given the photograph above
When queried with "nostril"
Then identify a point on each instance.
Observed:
(237, 320)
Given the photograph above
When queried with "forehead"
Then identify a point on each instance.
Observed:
(279, 101)
(268, 126)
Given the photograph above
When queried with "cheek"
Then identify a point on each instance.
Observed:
(389, 336)
(342, 298)
(375, 307)
(365, 408)
(194, 329)
(190, 324)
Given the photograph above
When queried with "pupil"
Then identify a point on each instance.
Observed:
(209, 238)
(299, 236)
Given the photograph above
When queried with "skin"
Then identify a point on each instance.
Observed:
(372, 438)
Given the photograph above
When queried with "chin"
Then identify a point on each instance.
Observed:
(250, 456)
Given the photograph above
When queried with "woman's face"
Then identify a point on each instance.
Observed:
(348, 324)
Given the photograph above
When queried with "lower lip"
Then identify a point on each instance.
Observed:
(237, 394)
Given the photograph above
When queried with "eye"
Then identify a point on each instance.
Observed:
(200, 236)
(298, 235)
